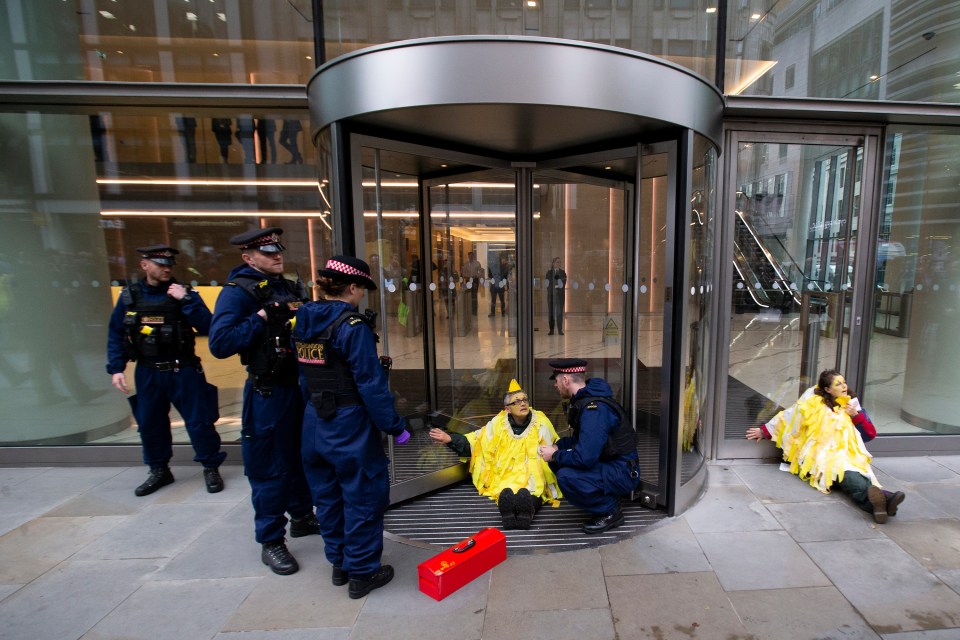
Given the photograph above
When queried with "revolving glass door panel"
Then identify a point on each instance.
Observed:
(581, 280)
(794, 240)
(472, 292)
(390, 193)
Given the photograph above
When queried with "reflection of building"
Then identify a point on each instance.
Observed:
(130, 158)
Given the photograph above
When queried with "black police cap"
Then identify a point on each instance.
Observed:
(159, 253)
(567, 365)
(265, 240)
(350, 270)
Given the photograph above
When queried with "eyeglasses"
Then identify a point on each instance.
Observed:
(519, 401)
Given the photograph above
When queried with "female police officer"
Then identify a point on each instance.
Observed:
(348, 405)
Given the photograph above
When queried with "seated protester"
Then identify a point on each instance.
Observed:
(822, 436)
(504, 459)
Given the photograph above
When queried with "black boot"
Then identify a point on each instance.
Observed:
(525, 509)
(894, 498)
(339, 577)
(213, 480)
(304, 526)
(879, 503)
(360, 587)
(276, 556)
(507, 504)
(604, 523)
(159, 477)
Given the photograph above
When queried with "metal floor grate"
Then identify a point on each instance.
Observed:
(450, 515)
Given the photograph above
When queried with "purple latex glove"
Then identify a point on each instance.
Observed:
(402, 438)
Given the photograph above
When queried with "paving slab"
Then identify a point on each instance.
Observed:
(399, 610)
(723, 476)
(816, 521)
(808, 612)
(157, 531)
(67, 601)
(7, 589)
(672, 605)
(287, 634)
(950, 462)
(770, 484)
(174, 610)
(570, 580)
(21, 504)
(569, 624)
(945, 496)
(34, 548)
(890, 589)
(950, 577)
(917, 469)
(669, 547)
(724, 509)
(933, 543)
(939, 634)
(72, 479)
(759, 560)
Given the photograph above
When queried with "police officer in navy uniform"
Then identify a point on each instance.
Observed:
(153, 324)
(598, 463)
(349, 408)
(252, 318)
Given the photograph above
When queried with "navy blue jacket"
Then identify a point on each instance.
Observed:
(236, 326)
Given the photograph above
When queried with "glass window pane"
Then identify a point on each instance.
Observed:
(912, 370)
(82, 193)
(221, 41)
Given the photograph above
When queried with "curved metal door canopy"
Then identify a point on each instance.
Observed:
(513, 96)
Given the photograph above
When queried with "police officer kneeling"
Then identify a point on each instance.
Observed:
(599, 462)
(153, 324)
(252, 318)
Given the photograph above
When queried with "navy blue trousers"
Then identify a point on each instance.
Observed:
(188, 391)
(271, 459)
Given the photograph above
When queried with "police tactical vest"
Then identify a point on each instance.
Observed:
(326, 371)
(155, 329)
(621, 441)
(272, 357)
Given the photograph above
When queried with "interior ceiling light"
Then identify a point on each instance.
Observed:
(222, 16)
(191, 16)
(128, 213)
(711, 9)
(108, 15)
(209, 183)
(755, 16)
(531, 3)
(132, 28)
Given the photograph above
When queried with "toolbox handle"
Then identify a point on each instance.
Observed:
(469, 545)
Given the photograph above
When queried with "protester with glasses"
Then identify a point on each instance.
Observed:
(505, 461)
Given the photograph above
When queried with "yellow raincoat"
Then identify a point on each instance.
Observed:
(501, 459)
(820, 443)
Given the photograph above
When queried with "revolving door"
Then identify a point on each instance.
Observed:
(468, 212)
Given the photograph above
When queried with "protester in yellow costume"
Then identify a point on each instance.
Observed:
(822, 436)
(505, 459)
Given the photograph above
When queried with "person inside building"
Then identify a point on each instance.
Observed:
(598, 463)
(505, 461)
(349, 408)
(822, 436)
(555, 281)
(252, 318)
(153, 324)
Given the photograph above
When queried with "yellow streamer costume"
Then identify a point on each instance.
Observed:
(501, 459)
(820, 443)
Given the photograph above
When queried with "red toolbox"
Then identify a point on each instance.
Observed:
(449, 570)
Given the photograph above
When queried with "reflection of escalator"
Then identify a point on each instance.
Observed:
(760, 281)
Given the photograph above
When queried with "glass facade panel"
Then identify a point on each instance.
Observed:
(853, 49)
(913, 354)
(682, 31)
(210, 41)
(81, 193)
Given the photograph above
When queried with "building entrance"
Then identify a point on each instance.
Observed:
(510, 225)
